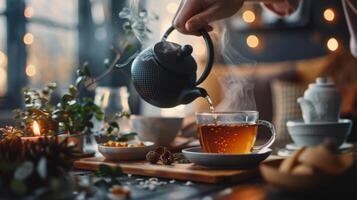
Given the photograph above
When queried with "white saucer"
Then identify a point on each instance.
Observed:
(223, 160)
(291, 148)
(294, 147)
(285, 152)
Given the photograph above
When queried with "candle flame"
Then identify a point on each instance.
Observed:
(36, 129)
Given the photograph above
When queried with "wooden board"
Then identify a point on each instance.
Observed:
(189, 172)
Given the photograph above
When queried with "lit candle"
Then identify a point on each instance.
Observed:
(36, 132)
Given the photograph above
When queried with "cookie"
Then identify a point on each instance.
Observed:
(289, 163)
(321, 158)
(302, 169)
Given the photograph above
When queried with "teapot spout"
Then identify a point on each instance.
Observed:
(307, 109)
(189, 95)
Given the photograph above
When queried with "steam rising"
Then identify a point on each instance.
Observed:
(229, 54)
(238, 94)
(238, 90)
(138, 21)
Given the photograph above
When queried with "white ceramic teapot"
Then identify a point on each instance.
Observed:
(321, 102)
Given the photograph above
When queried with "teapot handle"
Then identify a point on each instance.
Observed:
(210, 51)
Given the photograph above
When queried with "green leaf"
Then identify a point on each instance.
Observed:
(84, 70)
(18, 186)
(57, 112)
(27, 99)
(99, 116)
(66, 98)
(114, 124)
(79, 72)
(52, 85)
(127, 137)
(72, 102)
(87, 100)
(24, 170)
(116, 172)
(129, 47)
(45, 92)
(87, 71)
(104, 170)
(123, 114)
(112, 173)
(90, 125)
(79, 80)
(106, 62)
(101, 183)
(72, 90)
(42, 168)
(110, 130)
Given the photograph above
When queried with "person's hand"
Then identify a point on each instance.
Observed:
(193, 15)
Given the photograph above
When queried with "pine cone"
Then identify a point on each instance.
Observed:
(11, 149)
(58, 154)
(153, 157)
(167, 158)
(160, 150)
(10, 131)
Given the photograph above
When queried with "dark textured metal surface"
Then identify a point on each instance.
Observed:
(157, 85)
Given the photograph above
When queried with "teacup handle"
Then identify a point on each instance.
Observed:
(272, 138)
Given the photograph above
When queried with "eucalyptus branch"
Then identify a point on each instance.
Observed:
(106, 72)
(111, 67)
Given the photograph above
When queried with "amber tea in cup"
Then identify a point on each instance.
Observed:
(235, 132)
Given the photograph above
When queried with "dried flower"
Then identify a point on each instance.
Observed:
(10, 131)
(153, 157)
(160, 150)
(167, 158)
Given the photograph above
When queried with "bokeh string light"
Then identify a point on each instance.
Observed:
(30, 70)
(329, 15)
(28, 38)
(3, 59)
(332, 44)
(252, 41)
(28, 12)
(248, 16)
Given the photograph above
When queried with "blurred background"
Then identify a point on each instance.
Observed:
(45, 41)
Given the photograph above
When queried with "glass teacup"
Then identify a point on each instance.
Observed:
(231, 132)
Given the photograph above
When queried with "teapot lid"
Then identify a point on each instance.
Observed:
(322, 82)
(175, 57)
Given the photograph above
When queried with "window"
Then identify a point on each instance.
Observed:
(45, 41)
(3, 56)
(52, 42)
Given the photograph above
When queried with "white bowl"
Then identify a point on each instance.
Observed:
(160, 130)
(312, 134)
(126, 153)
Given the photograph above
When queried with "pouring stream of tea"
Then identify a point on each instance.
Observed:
(209, 100)
(211, 108)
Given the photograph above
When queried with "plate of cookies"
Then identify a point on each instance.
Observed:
(308, 169)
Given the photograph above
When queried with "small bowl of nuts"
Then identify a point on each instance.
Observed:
(132, 150)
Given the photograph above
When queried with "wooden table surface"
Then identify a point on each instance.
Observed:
(252, 189)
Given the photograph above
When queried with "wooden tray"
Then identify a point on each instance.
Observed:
(189, 172)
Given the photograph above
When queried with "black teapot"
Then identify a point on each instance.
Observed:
(165, 75)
